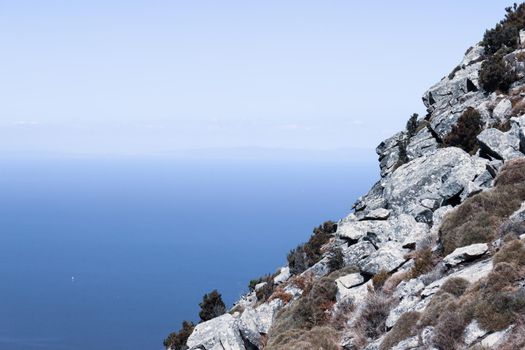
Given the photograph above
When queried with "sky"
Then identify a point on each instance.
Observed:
(161, 77)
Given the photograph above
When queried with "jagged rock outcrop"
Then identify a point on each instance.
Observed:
(392, 239)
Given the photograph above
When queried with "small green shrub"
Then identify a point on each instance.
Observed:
(505, 33)
(496, 74)
(464, 132)
(455, 286)
(308, 254)
(336, 261)
(177, 340)
(211, 306)
(405, 327)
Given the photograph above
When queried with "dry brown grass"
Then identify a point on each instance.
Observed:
(455, 286)
(423, 262)
(342, 314)
(513, 172)
(405, 327)
(282, 295)
(477, 219)
(512, 252)
(371, 320)
(379, 279)
(325, 338)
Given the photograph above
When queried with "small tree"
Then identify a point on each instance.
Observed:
(212, 306)
(177, 340)
(463, 134)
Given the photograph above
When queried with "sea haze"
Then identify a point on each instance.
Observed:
(115, 253)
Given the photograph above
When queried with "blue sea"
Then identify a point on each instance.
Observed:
(114, 253)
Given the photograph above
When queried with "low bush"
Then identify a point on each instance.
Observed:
(512, 173)
(496, 74)
(309, 253)
(371, 322)
(211, 306)
(177, 340)
(405, 327)
(439, 303)
(449, 330)
(512, 252)
(423, 262)
(336, 261)
(464, 132)
(477, 219)
(264, 292)
(505, 33)
(455, 286)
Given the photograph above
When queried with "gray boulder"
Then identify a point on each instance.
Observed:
(473, 332)
(426, 183)
(254, 322)
(221, 333)
(465, 254)
(502, 110)
(500, 145)
(387, 258)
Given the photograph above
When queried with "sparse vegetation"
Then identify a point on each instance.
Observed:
(464, 132)
(371, 321)
(405, 327)
(211, 306)
(308, 254)
(379, 279)
(423, 262)
(505, 33)
(325, 338)
(455, 286)
(336, 261)
(496, 74)
(177, 340)
(512, 252)
(477, 219)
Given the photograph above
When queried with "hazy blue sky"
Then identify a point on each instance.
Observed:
(145, 77)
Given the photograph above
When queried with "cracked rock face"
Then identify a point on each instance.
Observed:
(424, 184)
(221, 333)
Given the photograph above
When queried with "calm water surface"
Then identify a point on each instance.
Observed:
(114, 254)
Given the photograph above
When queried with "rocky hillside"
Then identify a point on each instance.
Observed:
(433, 256)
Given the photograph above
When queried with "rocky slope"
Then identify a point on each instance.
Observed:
(416, 270)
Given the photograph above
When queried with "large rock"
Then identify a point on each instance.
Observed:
(423, 185)
(357, 294)
(357, 252)
(500, 145)
(465, 254)
(402, 228)
(221, 333)
(502, 110)
(472, 273)
(350, 280)
(283, 276)
(387, 258)
(423, 143)
(254, 322)
(473, 332)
